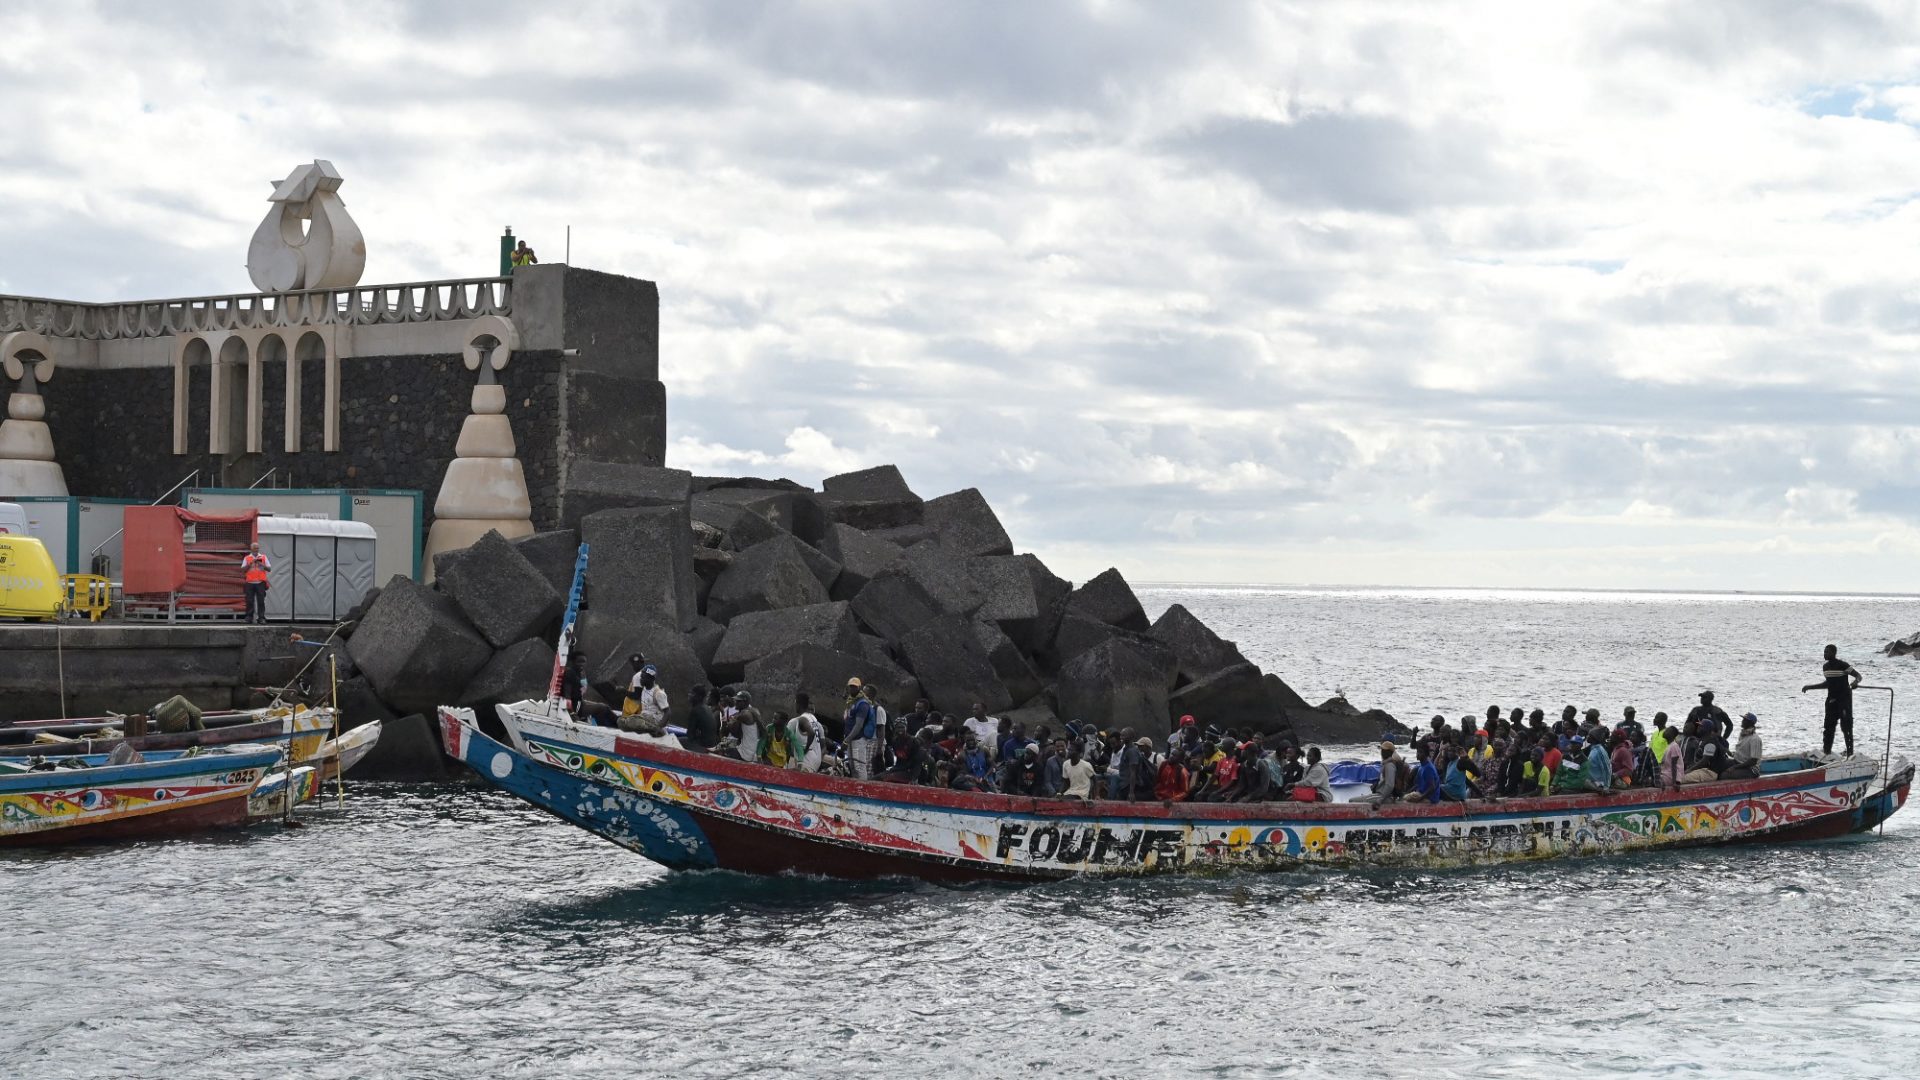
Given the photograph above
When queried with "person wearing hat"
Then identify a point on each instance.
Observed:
(742, 726)
(1387, 787)
(1747, 752)
(859, 727)
(645, 707)
(1839, 679)
(1707, 713)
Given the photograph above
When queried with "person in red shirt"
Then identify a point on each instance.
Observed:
(1550, 766)
(1170, 783)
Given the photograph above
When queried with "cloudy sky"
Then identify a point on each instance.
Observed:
(1614, 295)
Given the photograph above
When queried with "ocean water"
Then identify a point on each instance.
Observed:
(449, 931)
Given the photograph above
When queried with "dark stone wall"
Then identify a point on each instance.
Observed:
(400, 417)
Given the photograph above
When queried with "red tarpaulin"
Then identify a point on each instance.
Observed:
(159, 560)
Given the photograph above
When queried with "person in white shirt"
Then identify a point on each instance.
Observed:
(646, 705)
(806, 735)
(1747, 752)
(1077, 772)
(985, 728)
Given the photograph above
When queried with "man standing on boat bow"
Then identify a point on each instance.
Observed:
(1839, 678)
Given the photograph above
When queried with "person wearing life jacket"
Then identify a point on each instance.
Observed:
(256, 567)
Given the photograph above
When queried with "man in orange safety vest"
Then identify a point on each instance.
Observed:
(256, 567)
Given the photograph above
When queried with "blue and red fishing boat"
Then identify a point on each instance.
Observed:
(52, 804)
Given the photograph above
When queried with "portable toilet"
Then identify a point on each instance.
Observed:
(320, 568)
(30, 588)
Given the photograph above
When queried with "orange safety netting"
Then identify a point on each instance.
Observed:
(200, 567)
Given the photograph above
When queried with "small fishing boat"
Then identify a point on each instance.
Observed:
(336, 757)
(693, 809)
(305, 782)
(309, 728)
(184, 793)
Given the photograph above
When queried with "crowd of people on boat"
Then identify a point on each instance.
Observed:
(1515, 754)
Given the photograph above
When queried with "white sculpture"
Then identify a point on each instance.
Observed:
(328, 253)
(485, 487)
(27, 466)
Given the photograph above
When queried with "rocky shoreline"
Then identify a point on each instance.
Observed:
(776, 588)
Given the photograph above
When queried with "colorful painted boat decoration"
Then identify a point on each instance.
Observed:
(758, 819)
(140, 799)
(268, 799)
(665, 834)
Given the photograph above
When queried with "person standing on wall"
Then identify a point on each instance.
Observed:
(524, 256)
(1839, 679)
(256, 567)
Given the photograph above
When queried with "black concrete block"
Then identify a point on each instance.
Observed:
(1109, 599)
(519, 672)
(741, 526)
(416, 648)
(408, 750)
(822, 673)
(1116, 684)
(641, 564)
(592, 486)
(553, 553)
(966, 525)
(945, 655)
(501, 593)
(861, 558)
(1234, 697)
(1012, 667)
(892, 605)
(1201, 651)
(876, 498)
(761, 633)
(770, 575)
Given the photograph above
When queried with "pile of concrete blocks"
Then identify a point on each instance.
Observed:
(773, 587)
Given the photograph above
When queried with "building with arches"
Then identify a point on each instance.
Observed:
(363, 386)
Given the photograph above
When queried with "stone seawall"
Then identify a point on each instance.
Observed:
(128, 668)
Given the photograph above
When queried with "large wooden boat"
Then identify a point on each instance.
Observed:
(142, 799)
(758, 819)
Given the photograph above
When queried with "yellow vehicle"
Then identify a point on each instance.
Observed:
(30, 588)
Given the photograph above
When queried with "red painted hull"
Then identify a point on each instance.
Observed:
(228, 811)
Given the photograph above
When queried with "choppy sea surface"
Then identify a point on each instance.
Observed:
(449, 931)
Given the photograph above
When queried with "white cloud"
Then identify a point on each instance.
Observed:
(1448, 294)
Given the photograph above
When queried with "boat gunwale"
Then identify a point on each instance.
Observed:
(888, 792)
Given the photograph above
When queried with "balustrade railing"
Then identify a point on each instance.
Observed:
(361, 305)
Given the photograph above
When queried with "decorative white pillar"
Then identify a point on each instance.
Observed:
(485, 487)
(27, 465)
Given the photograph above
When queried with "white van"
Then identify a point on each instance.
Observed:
(13, 520)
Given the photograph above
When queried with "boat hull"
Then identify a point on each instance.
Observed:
(665, 834)
(762, 820)
(130, 801)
